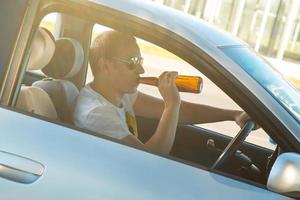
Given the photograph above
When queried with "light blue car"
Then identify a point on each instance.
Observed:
(44, 156)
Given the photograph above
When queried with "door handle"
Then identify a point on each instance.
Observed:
(19, 169)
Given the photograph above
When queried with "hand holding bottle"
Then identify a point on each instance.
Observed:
(168, 89)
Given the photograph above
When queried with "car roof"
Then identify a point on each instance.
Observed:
(191, 28)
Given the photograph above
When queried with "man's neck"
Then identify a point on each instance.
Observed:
(107, 92)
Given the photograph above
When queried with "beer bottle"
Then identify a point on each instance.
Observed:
(192, 84)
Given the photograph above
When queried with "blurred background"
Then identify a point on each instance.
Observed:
(271, 27)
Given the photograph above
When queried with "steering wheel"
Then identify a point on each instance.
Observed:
(234, 144)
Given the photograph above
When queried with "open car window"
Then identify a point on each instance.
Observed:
(157, 60)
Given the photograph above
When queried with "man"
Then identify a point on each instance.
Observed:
(109, 103)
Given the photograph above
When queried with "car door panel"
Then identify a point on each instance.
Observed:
(191, 142)
(198, 138)
(191, 145)
(82, 166)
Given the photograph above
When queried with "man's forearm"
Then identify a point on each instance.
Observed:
(191, 113)
(163, 138)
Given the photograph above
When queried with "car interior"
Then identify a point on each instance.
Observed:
(52, 82)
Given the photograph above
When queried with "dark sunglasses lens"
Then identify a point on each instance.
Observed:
(135, 62)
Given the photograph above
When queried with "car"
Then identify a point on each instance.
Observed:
(44, 156)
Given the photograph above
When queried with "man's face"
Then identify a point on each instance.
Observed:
(125, 72)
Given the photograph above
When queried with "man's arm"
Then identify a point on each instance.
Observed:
(190, 113)
(163, 138)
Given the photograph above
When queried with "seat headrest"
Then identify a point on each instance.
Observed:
(42, 49)
(67, 59)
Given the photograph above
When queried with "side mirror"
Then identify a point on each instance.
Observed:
(285, 175)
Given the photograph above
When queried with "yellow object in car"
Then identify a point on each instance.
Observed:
(131, 123)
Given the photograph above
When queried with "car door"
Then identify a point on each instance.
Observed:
(76, 165)
(191, 142)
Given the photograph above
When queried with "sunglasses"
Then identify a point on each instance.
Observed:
(133, 62)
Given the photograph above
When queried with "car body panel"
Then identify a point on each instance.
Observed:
(80, 166)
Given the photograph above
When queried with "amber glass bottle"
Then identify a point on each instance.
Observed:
(192, 84)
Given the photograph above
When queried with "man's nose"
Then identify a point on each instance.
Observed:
(141, 69)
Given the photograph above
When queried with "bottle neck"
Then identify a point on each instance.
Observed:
(149, 80)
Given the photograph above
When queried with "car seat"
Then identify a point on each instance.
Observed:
(66, 62)
(30, 98)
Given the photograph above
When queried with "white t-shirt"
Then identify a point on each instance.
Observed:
(95, 113)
